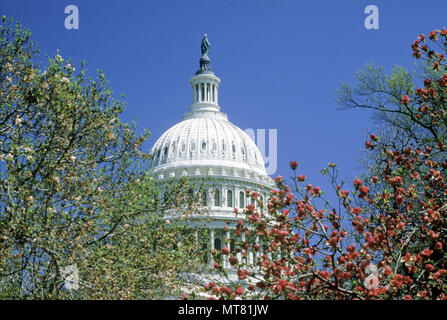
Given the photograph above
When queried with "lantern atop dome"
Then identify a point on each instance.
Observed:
(205, 86)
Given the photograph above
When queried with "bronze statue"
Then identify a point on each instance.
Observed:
(205, 60)
(206, 46)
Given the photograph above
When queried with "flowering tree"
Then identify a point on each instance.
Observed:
(74, 195)
(398, 124)
(386, 236)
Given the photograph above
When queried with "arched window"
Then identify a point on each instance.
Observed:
(241, 199)
(206, 256)
(182, 148)
(203, 196)
(217, 244)
(232, 247)
(217, 198)
(214, 147)
(229, 198)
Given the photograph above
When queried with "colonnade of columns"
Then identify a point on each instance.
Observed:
(232, 198)
(251, 257)
(203, 91)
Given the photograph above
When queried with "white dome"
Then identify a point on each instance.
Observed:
(208, 141)
(205, 143)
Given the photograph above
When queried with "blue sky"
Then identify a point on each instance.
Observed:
(280, 62)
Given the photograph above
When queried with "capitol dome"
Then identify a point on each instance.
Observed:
(208, 140)
(205, 140)
(205, 145)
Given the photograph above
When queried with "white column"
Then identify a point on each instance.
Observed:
(243, 240)
(217, 95)
(239, 255)
(224, 197)
(227, 244)
(208, 91)
(210, 197)
(257, 252)
(214, 93)
(212, 244)
(250, 256)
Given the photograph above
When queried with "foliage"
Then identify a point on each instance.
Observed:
(386, 238)
(74, 191)
(398, 125)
